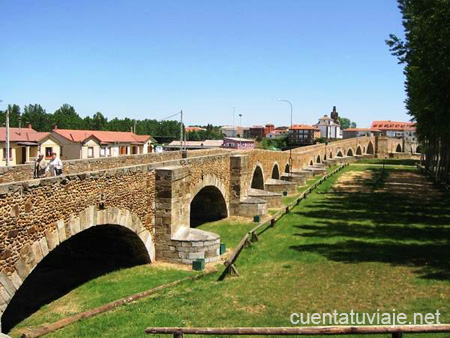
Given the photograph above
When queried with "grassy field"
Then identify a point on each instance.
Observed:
(335, 251)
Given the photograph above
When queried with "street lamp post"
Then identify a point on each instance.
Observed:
(290, 146)
(240, 136)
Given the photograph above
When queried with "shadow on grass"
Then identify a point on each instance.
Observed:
(408, 229)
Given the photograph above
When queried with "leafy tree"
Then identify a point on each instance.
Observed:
(346, 123)
(67, 118)
(37, 116)
(14, 116)
(425, 52)
(99, 122)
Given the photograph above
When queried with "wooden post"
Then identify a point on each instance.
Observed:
(254, 237)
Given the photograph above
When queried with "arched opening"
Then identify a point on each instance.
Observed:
(358, 151)
(325, 157)
(286, 168)
(318, 159)
(419, 149)
(364, 149)
(276, 172)
(370, 149)
(85, 256)
(258, 179)
(207, 206)
(349, 152)
(311, 162)
(339, 154)
(398, 149)
(331, 155)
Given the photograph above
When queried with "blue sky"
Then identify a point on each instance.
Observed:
(149, 59)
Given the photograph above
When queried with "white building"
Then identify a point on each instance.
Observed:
(328, 128)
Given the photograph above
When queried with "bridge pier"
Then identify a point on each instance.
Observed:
(176, 241)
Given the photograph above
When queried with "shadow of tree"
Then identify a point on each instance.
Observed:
(410, 228)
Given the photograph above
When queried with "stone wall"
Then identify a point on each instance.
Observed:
(25, 171)
(29, 209)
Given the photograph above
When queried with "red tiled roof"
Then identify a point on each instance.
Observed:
(357, 129)
(22, 135)
(304, 127)
(102, 136)
(391, 125)
(190, 129)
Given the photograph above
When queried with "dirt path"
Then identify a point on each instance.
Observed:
(353, 181)
(413, 184)
(399, 182)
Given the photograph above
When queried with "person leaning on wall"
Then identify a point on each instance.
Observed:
(55, 166)
(39, 166)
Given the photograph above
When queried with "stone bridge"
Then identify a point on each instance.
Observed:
(157, 198)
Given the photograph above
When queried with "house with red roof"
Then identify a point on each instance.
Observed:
(359, 132)
(393, 128)
(25, 145)
(81, 144)
(303, 134)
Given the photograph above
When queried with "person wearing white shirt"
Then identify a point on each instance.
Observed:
(55, 166)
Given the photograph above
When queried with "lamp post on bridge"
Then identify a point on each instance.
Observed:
(290, 146)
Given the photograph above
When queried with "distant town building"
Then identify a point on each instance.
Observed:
(238, 143)
(303, 134)
(191, 129)
(230, 131)
(359, 132)
(256, 132)
(81, 144)
(277, 133)
(268, 128)
(25, 144)
(329, 127)
(192, 145)
(392, 128)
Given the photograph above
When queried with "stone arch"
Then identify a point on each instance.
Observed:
(89, 219)
(311, 162)
(286, 168)
(325, 157)
(364, 149)
(358, 150)
(350, 152)
(208, 205)
(318, 159)
(276, 171)
(418, 149)
(331, 154)
(398, 149)
(209, 180)
(257, 177)
(370, 149)
(339, 153)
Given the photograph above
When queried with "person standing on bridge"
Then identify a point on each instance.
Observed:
(55, 166)
(39, 166)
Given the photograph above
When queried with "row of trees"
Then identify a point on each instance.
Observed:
(67, 118)
(425, 52)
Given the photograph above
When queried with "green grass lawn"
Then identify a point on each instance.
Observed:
(335, 251)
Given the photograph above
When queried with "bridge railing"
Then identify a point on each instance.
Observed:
(395, 331)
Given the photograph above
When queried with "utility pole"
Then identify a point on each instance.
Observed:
(290, 131)
(7, 137)
(234, 110)
(181, 131)
(240, 136)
